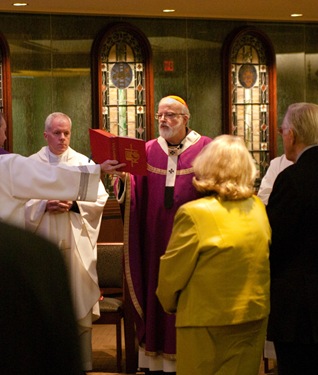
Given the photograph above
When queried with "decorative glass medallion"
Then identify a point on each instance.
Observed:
(247, 75)
(121, 75)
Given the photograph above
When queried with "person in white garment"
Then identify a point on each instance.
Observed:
(23, 178)
(74, 226)
(276, 165)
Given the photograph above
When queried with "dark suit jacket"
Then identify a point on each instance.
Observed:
(38, 332)
(293, 214)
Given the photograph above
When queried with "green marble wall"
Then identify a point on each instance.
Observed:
(50, 64)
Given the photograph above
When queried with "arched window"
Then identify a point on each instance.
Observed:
(123, 82)
(5, 89)
(250, 94)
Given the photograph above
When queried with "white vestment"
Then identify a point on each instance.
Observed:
(76, 235)
(276, 166)
(23, 178)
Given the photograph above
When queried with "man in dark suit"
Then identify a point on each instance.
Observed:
(293, 214)
(38, 332)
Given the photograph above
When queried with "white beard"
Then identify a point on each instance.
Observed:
(167, 132)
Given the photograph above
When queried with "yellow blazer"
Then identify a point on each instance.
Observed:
(216, 268)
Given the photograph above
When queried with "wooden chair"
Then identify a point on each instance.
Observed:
(110, 278)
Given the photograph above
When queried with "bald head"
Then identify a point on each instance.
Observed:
(180, 103)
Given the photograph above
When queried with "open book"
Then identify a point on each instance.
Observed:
(131, 151)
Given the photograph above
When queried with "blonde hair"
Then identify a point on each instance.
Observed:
(225, 168)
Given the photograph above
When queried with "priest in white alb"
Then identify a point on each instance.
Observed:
(74, 226)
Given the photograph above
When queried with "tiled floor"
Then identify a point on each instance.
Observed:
(104, 352)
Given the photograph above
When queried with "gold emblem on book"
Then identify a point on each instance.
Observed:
(132, 155)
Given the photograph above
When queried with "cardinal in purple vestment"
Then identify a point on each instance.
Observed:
(150, 203)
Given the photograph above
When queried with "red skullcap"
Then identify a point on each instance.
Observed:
(178, 99)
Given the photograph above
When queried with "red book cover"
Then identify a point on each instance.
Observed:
(131, 151)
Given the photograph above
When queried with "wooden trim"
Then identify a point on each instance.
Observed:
(112, 209)
(111, 230)
(110, 243)
(7, 95)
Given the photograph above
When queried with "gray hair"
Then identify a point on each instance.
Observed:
(52, 116)
(302, 118)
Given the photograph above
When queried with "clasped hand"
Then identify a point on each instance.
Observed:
(57, 206)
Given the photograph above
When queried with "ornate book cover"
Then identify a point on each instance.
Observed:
(105, 145)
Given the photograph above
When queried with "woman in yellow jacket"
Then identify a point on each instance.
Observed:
(215, 272)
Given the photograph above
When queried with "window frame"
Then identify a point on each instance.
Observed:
(232, 40)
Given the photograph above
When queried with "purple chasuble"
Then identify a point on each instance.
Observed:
(147, 229)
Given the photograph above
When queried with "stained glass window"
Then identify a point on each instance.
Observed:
(251, 101)
(250, 98)
(123, 86)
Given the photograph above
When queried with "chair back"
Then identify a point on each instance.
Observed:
(110, 266)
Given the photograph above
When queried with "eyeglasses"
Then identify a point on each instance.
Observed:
(167, 115)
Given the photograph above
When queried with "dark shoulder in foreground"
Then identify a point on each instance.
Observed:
(37, 321)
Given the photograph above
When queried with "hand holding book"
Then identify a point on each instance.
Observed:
(113, 167)
(125, 150)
